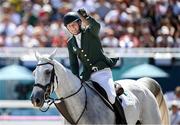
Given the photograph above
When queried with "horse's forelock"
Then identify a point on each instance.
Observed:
(44, 59)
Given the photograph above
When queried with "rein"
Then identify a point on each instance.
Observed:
(59, 103)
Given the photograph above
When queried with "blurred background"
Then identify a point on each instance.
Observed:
(145, 34)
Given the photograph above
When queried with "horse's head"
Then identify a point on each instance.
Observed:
(44, 79)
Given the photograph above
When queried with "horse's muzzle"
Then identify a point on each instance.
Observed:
(37, 99)
(37, 102)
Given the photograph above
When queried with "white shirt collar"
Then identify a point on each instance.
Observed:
(78, 35)
(78, 39)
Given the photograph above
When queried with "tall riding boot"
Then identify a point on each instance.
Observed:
(120, 116)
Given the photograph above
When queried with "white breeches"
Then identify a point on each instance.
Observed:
(104, 79)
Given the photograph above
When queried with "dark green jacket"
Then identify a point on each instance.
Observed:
(91, 52)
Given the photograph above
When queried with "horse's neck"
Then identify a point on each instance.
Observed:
(69, 84)
(67, 81)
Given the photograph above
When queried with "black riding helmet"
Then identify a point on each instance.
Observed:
(70, 17)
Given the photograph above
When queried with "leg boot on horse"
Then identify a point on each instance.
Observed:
(118, 109)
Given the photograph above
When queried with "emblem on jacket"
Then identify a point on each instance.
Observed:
(74, 49)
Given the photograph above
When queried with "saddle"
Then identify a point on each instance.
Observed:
(118, 88)
(117, 106)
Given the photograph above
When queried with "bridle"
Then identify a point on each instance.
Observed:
(47, 88)
(49, 100)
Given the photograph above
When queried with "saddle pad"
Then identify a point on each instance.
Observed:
(128, 99)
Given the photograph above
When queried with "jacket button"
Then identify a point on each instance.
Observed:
(82, 50)
(88, 60)
(85, 55)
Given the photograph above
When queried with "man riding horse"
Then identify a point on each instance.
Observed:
(85, 46)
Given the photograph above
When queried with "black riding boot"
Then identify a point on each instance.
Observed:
(120, 116)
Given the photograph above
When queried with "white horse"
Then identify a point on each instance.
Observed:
(142, 100)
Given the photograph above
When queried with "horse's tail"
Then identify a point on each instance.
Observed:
(155, 88)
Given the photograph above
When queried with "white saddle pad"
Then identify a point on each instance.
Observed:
(128, 99)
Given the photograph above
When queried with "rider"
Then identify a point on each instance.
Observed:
(84, 45)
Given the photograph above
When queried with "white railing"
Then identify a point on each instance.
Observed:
(16, 104)
(119, 52)
(6, 118)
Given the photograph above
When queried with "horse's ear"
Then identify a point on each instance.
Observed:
(37, 55)
(53, 54)
(33, 72)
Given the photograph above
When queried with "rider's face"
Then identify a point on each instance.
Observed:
(73, 28)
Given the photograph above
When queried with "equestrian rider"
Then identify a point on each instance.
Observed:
(85, 45)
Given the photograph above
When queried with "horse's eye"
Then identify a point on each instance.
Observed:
(47, 72)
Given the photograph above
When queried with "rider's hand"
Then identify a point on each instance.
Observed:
(83, 13)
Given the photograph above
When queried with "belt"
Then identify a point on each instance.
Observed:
(95, 69)
(98, 66)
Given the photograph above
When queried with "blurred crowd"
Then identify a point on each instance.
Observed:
(124, 23)
(173, 101)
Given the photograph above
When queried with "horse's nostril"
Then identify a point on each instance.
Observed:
(38, 101)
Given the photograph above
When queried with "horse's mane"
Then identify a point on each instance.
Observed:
(67, 71)
(46, 59)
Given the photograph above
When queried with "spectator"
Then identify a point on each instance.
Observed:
(33, 14)
(9, 10)
(7, 27)
(109, 40)
(44, 14)
(112, 15)
(164, 39)
(86, 4)
(146, 39)
(175, 95)
(59, 40)
(177, 36)
(175, 113)
(38, 39)
(20, 39)
(161, 8)
(129, 40)
(166, 22)
(102, 8)
(176, 7)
